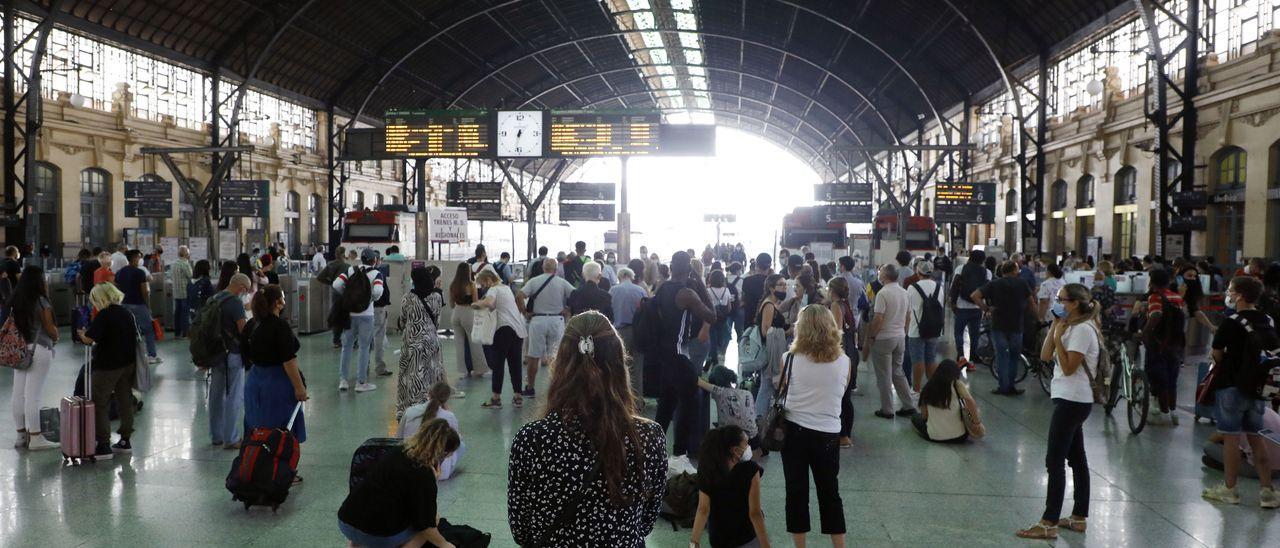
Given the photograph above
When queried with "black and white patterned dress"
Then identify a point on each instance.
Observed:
(421, 364)
(550, 459)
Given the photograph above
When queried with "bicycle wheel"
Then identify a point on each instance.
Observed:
(1139, 400)
(1044, 373)
(1024, 369)
(1119, 363)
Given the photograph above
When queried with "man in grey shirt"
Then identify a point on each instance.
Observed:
(546, 304)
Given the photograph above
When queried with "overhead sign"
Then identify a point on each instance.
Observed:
(149, 208)
(719, 218)
(965, 202)
(244, 198)
(1194, 199)
(148, 190)
(587, 191)
(846, 213)
(579, 133)
(686, 140)
(447, 225)
(587, 212)
(439, 133)
(470, 191)
(484, 211)
(842, 192)
(1188, 222)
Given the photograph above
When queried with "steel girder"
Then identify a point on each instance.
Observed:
(1031, 170)
(1162, 80)
(18, 226)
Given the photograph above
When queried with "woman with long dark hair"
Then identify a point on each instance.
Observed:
(941, 399)
(201, 288)
(274, 384)
(1075, 342)
(229, 269)
(728, 492)
(462, 292)
(847, 323)
(591, 471)
(32, 314)
(421, 364)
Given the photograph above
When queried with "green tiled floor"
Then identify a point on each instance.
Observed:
(897, 489)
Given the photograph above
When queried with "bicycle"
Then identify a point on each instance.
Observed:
(1128, 380)
(984, 353)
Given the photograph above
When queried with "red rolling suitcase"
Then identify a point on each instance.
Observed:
(77, 420)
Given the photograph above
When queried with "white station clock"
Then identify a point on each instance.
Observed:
(520, 133)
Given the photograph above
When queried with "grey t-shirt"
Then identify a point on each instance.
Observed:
(551, 300)
(232, 311)
(37, 323)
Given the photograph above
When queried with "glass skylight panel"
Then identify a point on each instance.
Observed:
(677, 101)
(703, 102)
(659, 57)
(669, 82)
(638, 4)
(665, 69)
(686, 21)
(682, 5)
(698, 82)
(644, 20)
(651, 39)
(697, 71)
(693, 57)
(689, 40)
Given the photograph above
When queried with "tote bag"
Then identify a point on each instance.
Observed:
(484, 326)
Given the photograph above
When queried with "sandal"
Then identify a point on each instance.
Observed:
(493, 403)
(1039, 531)
(517, 402)
(1073, 524)
(297, 479)
(846, 443)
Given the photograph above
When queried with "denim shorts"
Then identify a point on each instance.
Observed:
(1238, 413)
(922, 350)
(361, 538)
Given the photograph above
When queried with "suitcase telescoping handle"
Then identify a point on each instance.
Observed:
(296, 409)
(88, 373)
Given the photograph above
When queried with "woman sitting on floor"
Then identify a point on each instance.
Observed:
(436, 408)
(941, 401)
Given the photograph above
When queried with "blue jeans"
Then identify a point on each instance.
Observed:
(142, 316)
(739, 321)
(970, 318)
(922, 351)
(1008, 346)
(721, 332)
(181, 317)
(1237, 412)
(359, 332)
(361, 538)
(698, 352)
(226, 399)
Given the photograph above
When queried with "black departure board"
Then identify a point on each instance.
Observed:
(439, 133)
(602, 133)
(965, 202)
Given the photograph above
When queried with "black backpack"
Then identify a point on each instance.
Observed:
(932, 318)
(972, 277)
(385, 299)
(647, 326)
(680, 504)
(1171, 332)
(1259, 374)
(357, 293)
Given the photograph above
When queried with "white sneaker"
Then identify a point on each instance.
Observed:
(1156, 418)
(1221, 493)
(1173, 417)
(1269, 498)
(38, 443)
(342, 385)
(366, 387)
(155, 360)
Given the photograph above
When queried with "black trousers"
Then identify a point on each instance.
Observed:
(846, 403)
(678, 399)
(506, 347)
(1066, 446)
(817, 452)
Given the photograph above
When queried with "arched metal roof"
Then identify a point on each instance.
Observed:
(807, 74)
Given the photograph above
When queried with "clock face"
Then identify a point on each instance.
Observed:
(520, 133)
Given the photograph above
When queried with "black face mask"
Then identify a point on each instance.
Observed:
(780, 295)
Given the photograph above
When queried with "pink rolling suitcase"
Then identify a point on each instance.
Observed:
(77, 418)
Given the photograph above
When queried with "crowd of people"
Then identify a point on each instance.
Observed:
(615, 335)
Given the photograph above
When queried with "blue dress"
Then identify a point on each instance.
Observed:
(268, 393)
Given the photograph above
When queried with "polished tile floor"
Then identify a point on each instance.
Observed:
(898, 490)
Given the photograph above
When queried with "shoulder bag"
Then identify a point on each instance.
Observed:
(15, 352)
(971, 425)
(485, 324)
(528, 304)
(774, 431)
(1097, 383)
(141, 363)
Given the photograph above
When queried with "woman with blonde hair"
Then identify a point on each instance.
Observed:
(508, 339)
(591, 471)
(114, 339)
(816, 376)
(1075, 343)
(395, 504)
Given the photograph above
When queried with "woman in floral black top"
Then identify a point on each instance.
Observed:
(591, 471)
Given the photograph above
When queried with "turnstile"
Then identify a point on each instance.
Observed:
(312, 306)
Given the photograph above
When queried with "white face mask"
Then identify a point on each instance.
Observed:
(746, 455)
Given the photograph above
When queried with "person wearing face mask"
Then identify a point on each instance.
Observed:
(1006, 300)
(728, 492)
(273, 386)
(1164, 336)
(773, 323)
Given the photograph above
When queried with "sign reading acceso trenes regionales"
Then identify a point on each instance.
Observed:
(447, 225)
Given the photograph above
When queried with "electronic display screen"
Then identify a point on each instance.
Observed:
(439, 133)
(602, 133)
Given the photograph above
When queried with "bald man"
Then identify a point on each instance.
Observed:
(547, 305)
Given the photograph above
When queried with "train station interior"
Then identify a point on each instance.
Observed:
(1078, 131)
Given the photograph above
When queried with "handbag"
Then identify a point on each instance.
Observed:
(774, 432)
(141, 362)
(159, 329)
(1204, 391)
(971, 426)
(484, 325)
(15, 353)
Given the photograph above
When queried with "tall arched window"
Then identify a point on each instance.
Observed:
(46, 182)
(1126, 185)
(1084, 191)
(313, 217)
(95, 207)
(1058, 195)
(1229, 168)
(1011, 227)
(1011, 203)
(357, 202)
(378, 201)
(293, 223)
